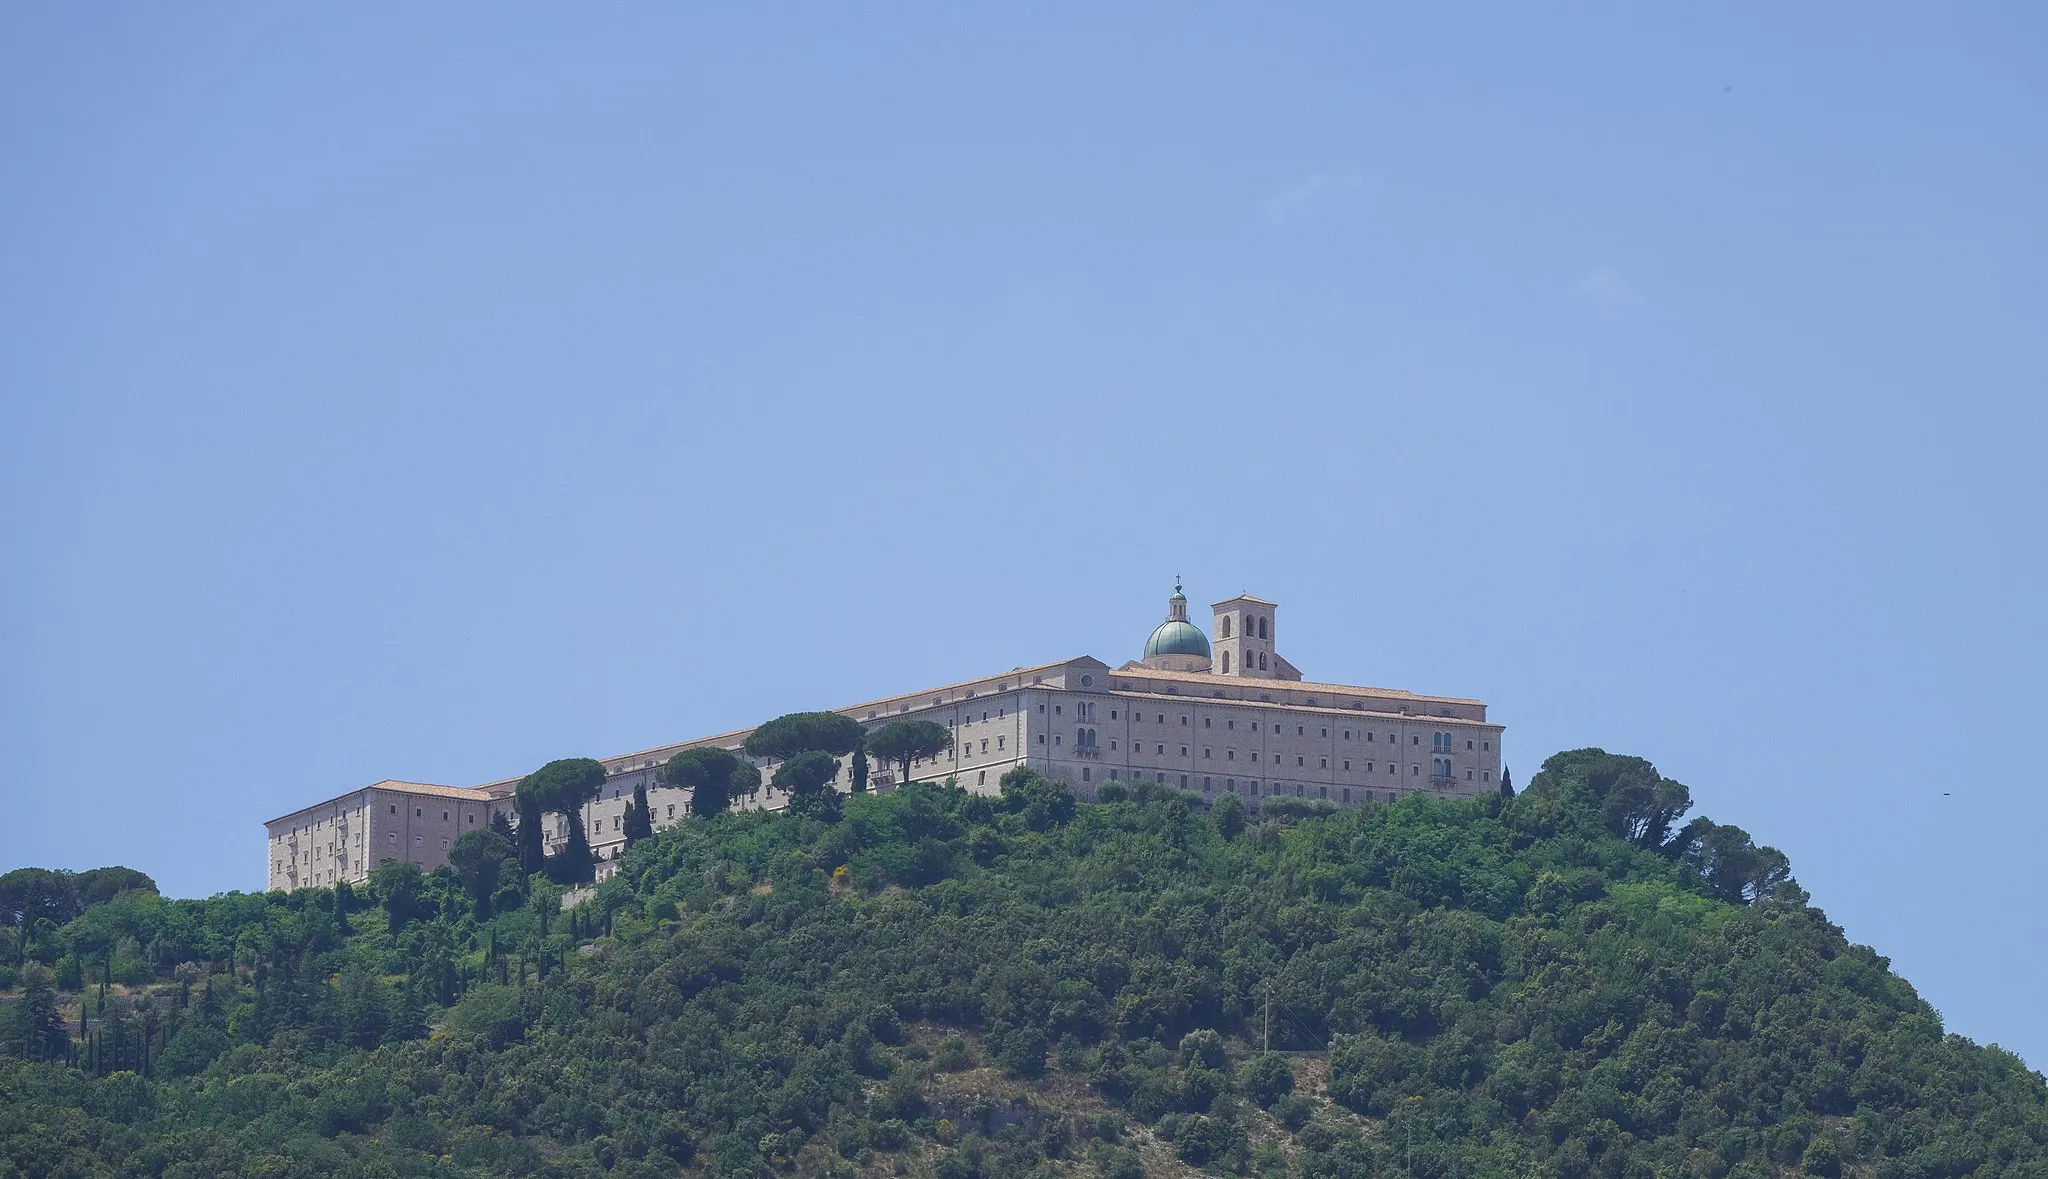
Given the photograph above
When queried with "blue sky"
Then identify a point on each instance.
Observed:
(430, 392)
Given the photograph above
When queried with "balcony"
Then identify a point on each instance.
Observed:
(1087, 752)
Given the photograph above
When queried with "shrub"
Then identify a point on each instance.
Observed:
(1268, 1077)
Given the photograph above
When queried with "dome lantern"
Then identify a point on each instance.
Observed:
(1177, 644)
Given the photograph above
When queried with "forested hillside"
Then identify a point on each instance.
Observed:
(1572, 982)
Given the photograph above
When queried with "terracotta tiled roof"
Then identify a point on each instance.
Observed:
(393, 785)
(1247, 683)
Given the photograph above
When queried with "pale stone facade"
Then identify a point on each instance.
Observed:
(1242, 721)
(343, 838)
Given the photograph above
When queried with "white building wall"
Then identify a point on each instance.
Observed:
(1257, 736)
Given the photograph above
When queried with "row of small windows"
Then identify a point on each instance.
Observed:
(1252, 788)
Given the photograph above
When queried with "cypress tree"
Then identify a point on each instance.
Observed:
(639, 819)
(1507, 783)
(860, 767)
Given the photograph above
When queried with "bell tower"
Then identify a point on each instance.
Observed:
(1244, 638)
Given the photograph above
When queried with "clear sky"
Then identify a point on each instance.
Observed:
(429, 391)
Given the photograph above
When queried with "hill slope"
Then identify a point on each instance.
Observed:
(1563, 984)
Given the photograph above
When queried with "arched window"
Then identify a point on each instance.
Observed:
(1262, 628)
(1262, 658)
(1226, 663)
(1226, 627)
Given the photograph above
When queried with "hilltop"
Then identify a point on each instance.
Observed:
(1566, 983)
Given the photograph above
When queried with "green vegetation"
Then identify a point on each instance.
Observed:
(1570, 983)
(561, 787)
(906, 742)
(714, 778)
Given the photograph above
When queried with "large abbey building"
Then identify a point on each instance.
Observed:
(1213, 714)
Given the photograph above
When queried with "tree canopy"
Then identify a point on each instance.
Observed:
(970, 987)
(805, 732)
(562, 787)
(714, 777)
(906, 742)
(480, 858)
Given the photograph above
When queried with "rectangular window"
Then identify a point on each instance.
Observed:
(1162, 750)
(1207, 723)
(1206, 752)
(444, 814)
(671, 810)
(1323, 762)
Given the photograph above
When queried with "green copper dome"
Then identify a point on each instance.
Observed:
(1177, 636)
